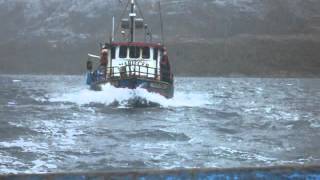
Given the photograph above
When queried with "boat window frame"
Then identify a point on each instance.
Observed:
(148, 50)
(113, 52)
(121, 52)
(155, 54)
(137, 52)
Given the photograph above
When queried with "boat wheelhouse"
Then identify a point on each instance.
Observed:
(133, 64)
(135, 59)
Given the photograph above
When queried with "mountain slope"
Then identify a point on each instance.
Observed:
(39, 36)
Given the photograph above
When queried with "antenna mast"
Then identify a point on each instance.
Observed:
(132, 21)
(161, 21)
(113, 33)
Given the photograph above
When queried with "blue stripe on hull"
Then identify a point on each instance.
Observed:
(273, 173)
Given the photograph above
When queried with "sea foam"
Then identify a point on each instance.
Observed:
(123, 96)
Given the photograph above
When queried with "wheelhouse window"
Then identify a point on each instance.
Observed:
(134, 52)
(155, 53)
(113, 52)
(123, 52)
(146, 53)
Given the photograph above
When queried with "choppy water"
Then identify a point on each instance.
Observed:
(55, 124)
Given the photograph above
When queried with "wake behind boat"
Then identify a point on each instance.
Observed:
(128, 63)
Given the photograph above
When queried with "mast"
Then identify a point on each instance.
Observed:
(113, 33)
(132, 21)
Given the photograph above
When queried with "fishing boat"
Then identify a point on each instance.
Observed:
(126, 62)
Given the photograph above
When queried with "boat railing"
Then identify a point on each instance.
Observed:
(138, 71)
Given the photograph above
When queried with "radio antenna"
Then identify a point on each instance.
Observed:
(161, 22)
(132, 21)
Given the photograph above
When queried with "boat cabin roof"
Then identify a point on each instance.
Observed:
(138, 44)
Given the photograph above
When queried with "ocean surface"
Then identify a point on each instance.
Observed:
(56, 124)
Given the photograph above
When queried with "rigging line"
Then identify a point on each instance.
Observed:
(161, 21)
(139, 9)
(141, 13)
(123, 12)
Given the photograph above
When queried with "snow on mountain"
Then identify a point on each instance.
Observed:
(72, 20)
